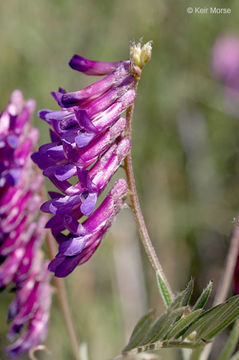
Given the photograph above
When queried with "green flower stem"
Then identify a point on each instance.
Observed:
(136, 208)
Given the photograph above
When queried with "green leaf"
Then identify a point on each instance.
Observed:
(231, 343)
(139, 331)
(214, 320)
(178, 322)
(183, 298)
(161, 325)
(203, 318)
(188, 293)
(165, 294)
(178, 300)
(182, 324)
(202, 300)
(221, 316)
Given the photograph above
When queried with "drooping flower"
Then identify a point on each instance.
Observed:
(88, 144)
(21, 230)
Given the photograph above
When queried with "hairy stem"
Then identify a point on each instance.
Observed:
(136, 208)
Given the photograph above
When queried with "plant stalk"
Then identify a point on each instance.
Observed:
(135, 205)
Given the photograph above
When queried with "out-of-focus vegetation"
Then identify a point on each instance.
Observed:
(185, 150)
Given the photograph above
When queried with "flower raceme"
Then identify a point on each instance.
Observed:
(21, 234)
(88, 144)
(19, 198)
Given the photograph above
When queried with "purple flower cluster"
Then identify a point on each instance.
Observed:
(21, 261)
(225, 62)
(88, 144)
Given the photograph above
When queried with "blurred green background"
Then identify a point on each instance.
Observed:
(185, 151)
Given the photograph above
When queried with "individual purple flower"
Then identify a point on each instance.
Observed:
(88, 144)
(225, 61)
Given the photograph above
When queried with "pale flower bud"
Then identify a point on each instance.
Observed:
(141, 55)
